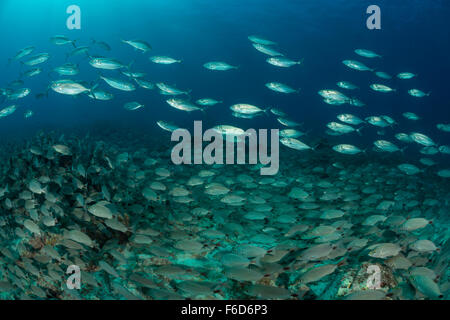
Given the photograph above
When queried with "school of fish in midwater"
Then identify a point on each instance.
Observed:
(140, 227)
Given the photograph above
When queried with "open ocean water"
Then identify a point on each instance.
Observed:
(93, 206)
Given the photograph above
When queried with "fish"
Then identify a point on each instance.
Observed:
(228, 130)
(7, 111)
(288, 122)
(411, 116)
(347, 85)
(334, 96)
(347, 149)
(356, 65)
(62, 149)
(247, 109)
(101, 44)
(98, 94)
(83, 50)
(278, 112)
(381, 88)
(418, 93)
(422, 139)
(32, 72)
(280, 87)
(261, 40)
(207, 102)
(28, 114)
(404, 137)
(367, 53)
(294, 144)
(68, 69)
(383, 75)
(168, 126)
(267, 50)
(183, 105)
(37, 59)
(131, 106)
(377, 121)
(283, 62)
(170, 90)
(106, 64)
(69, 87)
(406, 75)
(219, 66)
(133, 75)
(342, 128)
(350, 119)
(139, 45)
(18, 94)
(23, 53)
(386, 146)
(444, 149)
(61, 40)
(119, 84)
(443, 127)
(445, 173)
(144, 84)
(164, 60)
(291, 133)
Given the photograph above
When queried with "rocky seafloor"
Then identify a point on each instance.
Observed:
(140, 227)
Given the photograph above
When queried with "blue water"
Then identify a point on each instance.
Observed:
(413, 38)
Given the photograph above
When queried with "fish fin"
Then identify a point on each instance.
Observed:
(301, 61)
(315, 147)
(359, 130)
(130, 65)
(428, 94)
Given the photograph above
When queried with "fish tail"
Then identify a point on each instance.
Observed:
(314, 148)
(130, 65)
(359, 130)
(429, 93)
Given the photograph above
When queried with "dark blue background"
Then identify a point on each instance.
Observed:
(414, 37)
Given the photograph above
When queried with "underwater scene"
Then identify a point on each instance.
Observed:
(222, 150)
